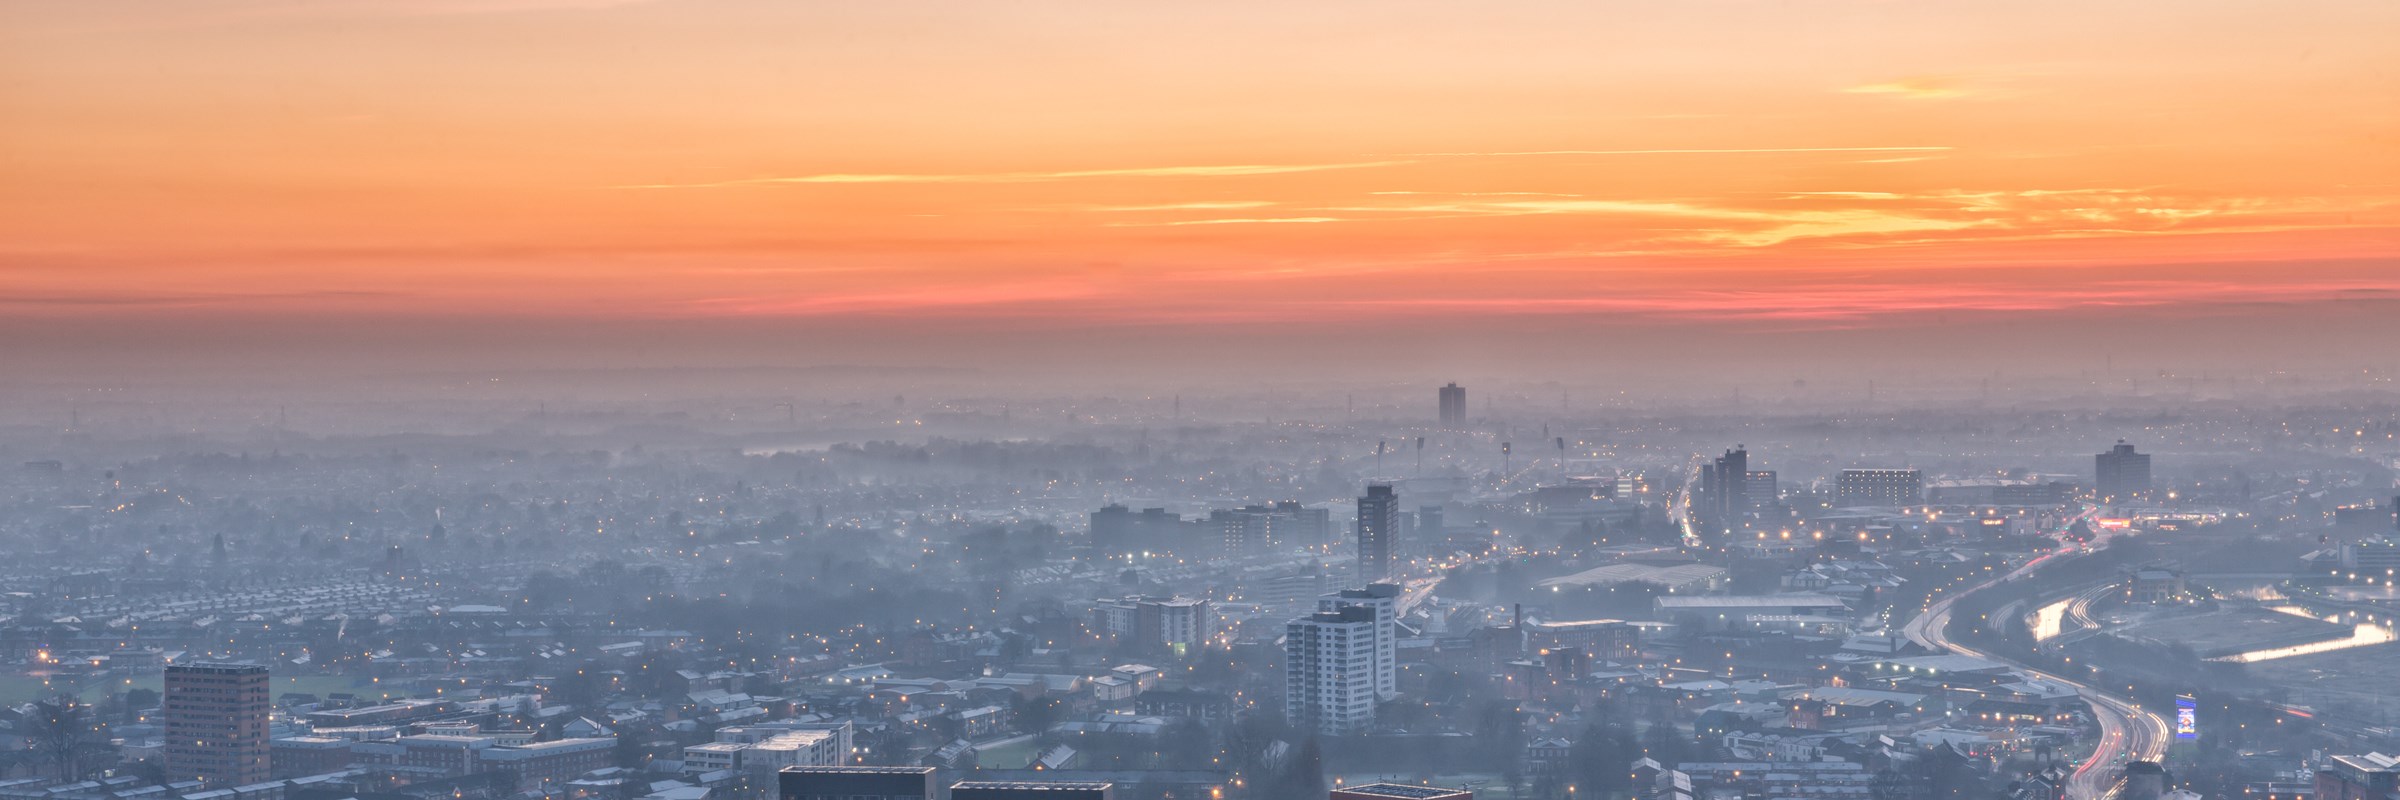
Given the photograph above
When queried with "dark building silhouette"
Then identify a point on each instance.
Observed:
(1454, 406)
(1117, 531)
(216, 723)
(1724, 489)
(1032, 790)
(2053, 493)
(857, 783)
(2121, 474)
(1760, 489)
(2363, 518)
(1378, 533)
(1254, 529)
(2145, 780)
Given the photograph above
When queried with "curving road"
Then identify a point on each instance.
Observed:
(1679, 507)
(2079, 610)
(2127, 733)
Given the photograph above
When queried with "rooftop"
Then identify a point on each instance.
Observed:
(1846, 696)
(1574, 624)
(1606, 574)
(212, 668)
(1405, 791)
(1939, 664)
(2371, 762)
(1797, 600)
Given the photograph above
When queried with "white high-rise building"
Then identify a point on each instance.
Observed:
(1185, 623)
(1329, 671)
(1383, 601)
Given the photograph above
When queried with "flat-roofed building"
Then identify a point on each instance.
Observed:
(2155, 586)
(1032, 790)
(1179, 624)
(1962, 678)
(1675, 578)
(2373, 776)
(856, 783)
(385, 714)
(1399, 791)
(2034, 493)
(767, 748)
(295, 756)
(2373, 555)
(1826, 706)
(1607, 639)
(1724, 612)
(538, 765)
(429, 755)
(1255, 529)
(1879, 487)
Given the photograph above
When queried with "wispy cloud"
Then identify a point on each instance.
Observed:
(1734, 226)
(1840, 301)
(1912, 89)
(1869, 218)
(950, 299)
(1700, 151)
(1482, 194)
(1253, 221)
(1216, 171)
(1203, 205)
(1847, 195)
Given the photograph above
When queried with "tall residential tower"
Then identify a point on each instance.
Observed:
(1328, 669)
(1378, 533)
(1454, 406)
(216, 721)
(2121, 475)
(1382, 600)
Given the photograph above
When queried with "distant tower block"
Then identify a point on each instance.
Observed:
(1378, 533)
(2121, 475)
(216, 723)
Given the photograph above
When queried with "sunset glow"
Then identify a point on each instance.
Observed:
(1828, 163)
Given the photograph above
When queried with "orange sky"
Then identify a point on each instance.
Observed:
(1822, 161)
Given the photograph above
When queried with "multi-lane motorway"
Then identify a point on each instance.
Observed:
(2127, 733)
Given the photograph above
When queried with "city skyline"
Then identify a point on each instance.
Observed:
(1133, 400)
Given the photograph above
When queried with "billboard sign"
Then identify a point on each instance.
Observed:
(2187, 720)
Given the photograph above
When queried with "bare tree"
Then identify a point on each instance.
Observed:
(64, 733)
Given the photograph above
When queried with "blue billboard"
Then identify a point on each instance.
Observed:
(2187, 718)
